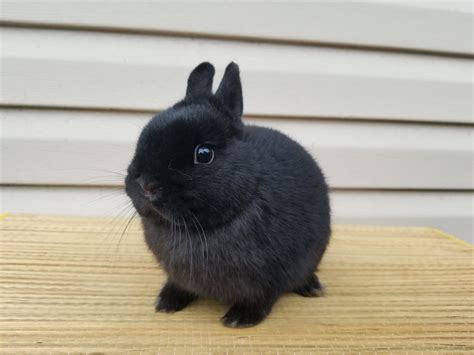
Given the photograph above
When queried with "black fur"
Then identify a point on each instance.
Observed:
(244, 229)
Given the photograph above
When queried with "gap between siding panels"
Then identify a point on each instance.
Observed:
(449, 211)
(151, 113)
(233, 38)
(336, 189)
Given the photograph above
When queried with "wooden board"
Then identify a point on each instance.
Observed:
(145, 72)
(429, 26)
(66, 285)
(46, 147)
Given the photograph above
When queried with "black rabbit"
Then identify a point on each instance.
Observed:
(232, 212)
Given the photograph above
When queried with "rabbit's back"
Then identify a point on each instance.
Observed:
(293, 188)
(290, 173)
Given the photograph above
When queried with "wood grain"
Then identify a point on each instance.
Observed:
(66, 286)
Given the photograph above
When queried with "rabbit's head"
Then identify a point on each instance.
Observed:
(192, 160)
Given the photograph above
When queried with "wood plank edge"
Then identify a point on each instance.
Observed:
(445, 235)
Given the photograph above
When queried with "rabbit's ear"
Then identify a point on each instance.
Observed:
(230, 90)
(200, 80)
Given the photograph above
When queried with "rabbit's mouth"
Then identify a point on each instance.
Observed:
(167, 215)
(162, 213)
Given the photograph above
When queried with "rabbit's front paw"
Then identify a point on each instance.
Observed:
(173, 299)
(246, 315)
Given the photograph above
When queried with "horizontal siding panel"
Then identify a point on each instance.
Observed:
(449, 211)
(137, 72)
(420, 26)
(78, 147)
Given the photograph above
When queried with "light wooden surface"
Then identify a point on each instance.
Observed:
(67, 286)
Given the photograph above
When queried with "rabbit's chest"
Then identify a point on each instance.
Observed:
(208, 265)
(201, 260)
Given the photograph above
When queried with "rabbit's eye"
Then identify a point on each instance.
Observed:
(203, 154)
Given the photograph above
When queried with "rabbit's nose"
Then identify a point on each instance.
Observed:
(151, 188)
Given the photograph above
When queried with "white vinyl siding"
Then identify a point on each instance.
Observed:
(131, 72)
(381, 93)
(417, 25)
(384, 155)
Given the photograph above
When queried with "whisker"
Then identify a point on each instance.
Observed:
(185, 238)
(116, 222)
(188, 177)
(119, 192)
(108, 171)
(191, 248)
(173, 239)
(104, 179)
(210, 205)
(201, 239)
(121, 236)
(206, 251)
